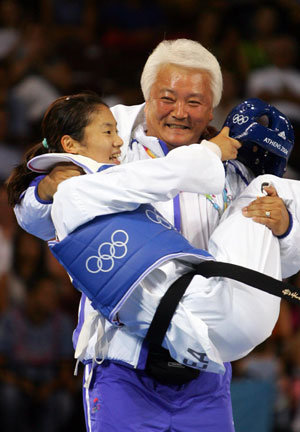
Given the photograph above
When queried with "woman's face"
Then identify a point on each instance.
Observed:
(101, 141)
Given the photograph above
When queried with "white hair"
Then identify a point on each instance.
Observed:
(186, 53)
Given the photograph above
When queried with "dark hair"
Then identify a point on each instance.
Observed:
(67, 115)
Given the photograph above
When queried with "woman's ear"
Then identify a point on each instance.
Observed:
(69, 144)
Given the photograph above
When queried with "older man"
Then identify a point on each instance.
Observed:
(182, 83)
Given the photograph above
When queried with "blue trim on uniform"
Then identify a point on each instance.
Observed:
(176, 199)
(81, 319)
(132, 141)
(104, 167)
(36, 180)
(289, 228)
(177, 213)
(164, 147)
(22, 195)
(35, 183)
(239, 172)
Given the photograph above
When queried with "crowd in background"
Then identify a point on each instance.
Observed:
(50, 48)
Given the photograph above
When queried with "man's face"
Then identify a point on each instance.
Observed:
(180, 105)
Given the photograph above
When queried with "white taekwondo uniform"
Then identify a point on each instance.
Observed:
(221, 318)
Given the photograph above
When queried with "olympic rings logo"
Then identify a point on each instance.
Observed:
(157, 218)
(108, 252)
(240, 119)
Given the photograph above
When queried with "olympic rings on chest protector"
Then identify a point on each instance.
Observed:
(116, 248)
(157, 218)
(108, 252)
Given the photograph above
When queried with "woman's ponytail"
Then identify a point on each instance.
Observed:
(21, 177)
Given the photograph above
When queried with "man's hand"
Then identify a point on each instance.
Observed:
(48, 185)
(228, 146)
(278, 219)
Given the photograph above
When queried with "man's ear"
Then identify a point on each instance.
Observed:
(69, 144)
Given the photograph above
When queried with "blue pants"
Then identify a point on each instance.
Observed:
(121, 399)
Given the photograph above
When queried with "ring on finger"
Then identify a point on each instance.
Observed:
(268, 214)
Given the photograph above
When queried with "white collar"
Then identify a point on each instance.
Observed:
(45, 162)
(152, 143)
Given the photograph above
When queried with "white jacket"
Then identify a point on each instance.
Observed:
(199, 218)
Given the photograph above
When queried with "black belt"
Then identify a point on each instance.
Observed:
(171, 298)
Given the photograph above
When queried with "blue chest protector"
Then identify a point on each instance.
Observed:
(110, 255)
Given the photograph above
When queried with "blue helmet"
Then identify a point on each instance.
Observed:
(265, 149)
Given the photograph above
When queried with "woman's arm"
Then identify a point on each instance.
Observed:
(33, 213)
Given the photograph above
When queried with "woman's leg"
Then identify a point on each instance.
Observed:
(217, 319)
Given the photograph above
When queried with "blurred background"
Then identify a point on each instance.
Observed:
(50, 48)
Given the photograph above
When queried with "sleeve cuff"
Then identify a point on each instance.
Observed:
(213, 147)
(289, 228)
(35, 184)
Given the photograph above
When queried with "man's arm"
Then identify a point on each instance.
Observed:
(284, 207)
(193, 168)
